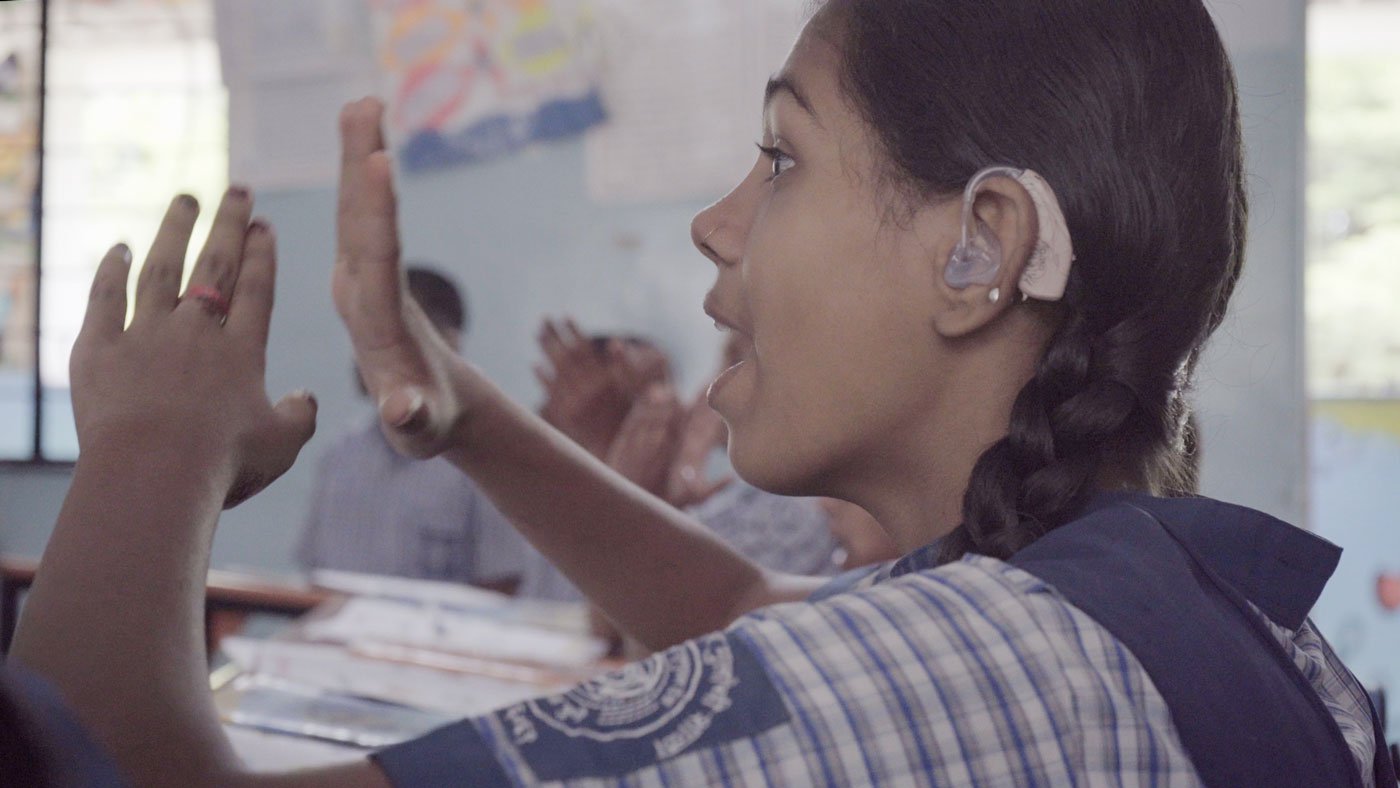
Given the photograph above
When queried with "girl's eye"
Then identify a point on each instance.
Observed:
(781, 161)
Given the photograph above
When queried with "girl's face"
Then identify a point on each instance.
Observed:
(830, 290)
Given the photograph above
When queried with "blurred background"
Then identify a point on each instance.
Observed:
(551, 155)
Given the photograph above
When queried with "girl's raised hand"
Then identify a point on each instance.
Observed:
(407, 367)
(187, 376)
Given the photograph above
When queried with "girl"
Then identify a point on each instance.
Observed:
(972, 269)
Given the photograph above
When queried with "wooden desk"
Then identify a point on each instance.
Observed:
(227, 594)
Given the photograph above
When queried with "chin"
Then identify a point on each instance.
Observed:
(768, 462)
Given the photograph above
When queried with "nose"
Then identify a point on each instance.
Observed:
(703, 228)
(721, 230)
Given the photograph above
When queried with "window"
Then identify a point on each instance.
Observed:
(1353, 325)
(135, 111)
(19, 135)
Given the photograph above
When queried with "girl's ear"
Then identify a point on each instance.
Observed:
(979, 280)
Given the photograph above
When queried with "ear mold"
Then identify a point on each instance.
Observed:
(977, 258)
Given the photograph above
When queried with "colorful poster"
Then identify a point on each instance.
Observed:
(471, 80)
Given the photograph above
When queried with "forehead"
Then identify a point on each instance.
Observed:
(812, 72)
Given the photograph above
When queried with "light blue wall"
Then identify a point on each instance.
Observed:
(526, 241)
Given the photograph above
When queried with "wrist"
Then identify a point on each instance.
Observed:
(179, 462)
(478, 403)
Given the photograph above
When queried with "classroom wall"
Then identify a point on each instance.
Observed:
(523, 237)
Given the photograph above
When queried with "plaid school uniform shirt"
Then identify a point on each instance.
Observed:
(971, 674)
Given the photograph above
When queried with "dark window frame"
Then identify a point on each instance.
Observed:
(36, 222)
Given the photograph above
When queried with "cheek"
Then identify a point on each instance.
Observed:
(838, 356)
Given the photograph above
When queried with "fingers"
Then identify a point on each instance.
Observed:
(367, 227)
(106, 310)
(573, 335)
(360, 130)
(222, 256)
(543, 375)
(158, 287)
(710, 490)
(250, 313)
(552, 343)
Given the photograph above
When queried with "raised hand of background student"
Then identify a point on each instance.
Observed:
(645, 446)
(421, 385)
(701, 432)
(584, 398)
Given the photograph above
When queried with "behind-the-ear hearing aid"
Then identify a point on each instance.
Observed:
(977, 258)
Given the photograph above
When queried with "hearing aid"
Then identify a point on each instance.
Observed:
(977, 258)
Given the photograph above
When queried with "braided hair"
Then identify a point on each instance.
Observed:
(1129, 109)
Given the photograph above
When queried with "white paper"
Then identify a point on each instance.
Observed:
(337, 669)
(422, 591)
(683, 84)
(568, 617)
(271, 752)
(439, 628)
(289, 67)
(274, 40)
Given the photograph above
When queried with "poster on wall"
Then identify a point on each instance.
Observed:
(472, 80)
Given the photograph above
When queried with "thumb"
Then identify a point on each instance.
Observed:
(296, 423)
(415, 424)
(275, 448)
(404, 409)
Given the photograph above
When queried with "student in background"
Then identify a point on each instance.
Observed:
(374, 510)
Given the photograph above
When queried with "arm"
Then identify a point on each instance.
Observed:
(174, 425)
(656, 572)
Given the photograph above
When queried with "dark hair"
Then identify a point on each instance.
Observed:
(1129, 109)
(440, 299)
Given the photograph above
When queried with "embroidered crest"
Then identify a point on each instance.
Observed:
(646, 712)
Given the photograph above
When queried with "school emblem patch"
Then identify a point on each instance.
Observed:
(703, 692)
(645, 696)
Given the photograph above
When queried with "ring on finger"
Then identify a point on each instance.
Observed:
(213, 301)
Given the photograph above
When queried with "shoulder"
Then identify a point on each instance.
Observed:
(983, 664)
(950, 614)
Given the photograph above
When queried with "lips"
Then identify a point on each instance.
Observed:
(723, 320)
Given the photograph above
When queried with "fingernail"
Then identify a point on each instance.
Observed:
(308, 396)
(124, 251)
(238, 192)
(259, 225)
(415, 405)
(188, 201)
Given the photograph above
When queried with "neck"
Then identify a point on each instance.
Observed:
(914, 478)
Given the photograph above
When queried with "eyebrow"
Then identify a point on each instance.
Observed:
(782, 84)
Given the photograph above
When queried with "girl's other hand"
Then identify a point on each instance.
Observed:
(423, 388)
(187, 376)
